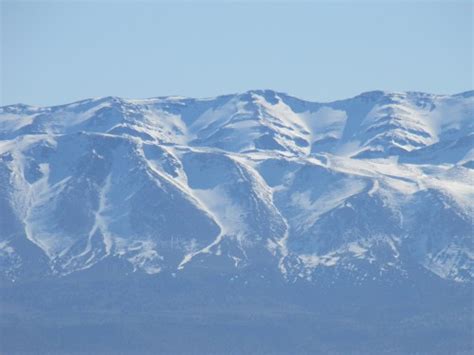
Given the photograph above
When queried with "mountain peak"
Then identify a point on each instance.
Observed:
(254, 180)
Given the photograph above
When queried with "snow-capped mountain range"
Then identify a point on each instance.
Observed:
(379, 186)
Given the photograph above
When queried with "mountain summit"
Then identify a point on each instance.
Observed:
(373, 188)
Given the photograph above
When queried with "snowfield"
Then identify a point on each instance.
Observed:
(376, 185)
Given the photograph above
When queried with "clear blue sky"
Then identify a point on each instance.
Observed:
(57, 52)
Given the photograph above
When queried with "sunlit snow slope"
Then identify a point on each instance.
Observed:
(379, 186)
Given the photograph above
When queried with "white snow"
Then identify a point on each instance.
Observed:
(247, 131)
(326, 122)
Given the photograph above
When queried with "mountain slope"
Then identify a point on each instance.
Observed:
(376, 187)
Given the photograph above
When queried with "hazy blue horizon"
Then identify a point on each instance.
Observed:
(55, 53)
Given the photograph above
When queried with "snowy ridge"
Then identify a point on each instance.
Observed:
(259, 180)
